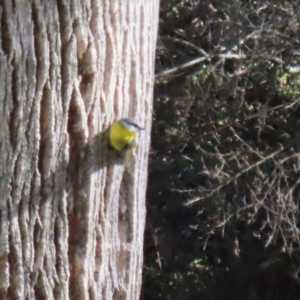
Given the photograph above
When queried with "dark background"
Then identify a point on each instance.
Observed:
(223, 194)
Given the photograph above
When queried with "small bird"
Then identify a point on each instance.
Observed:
(122, 133)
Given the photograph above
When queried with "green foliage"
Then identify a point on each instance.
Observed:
(224, 168)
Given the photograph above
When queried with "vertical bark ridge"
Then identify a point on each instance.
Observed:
(72, 211)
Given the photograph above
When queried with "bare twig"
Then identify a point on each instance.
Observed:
(236, 176)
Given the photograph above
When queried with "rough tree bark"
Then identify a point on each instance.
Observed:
(72, 210)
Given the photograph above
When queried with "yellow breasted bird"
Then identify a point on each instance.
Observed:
(122, 133)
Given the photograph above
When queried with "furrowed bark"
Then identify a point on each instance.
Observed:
(72, 210)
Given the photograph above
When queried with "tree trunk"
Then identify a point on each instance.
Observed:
(72, 209)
